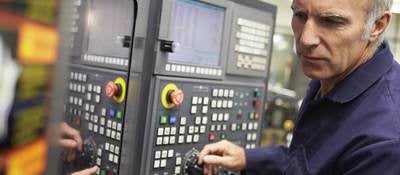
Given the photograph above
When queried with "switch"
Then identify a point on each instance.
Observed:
(163, 120)
(211, 136)
(257, 94)
(172, 119)
(111, 113)
(119, 114)
(256, 115)
(113, 89)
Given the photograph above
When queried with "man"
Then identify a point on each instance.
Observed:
(349, 122)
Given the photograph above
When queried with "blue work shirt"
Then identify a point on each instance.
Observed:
(353, 130)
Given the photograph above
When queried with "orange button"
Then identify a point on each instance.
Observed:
(112, 89)
(176, 97)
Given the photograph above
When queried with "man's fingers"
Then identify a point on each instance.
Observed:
(88, 171)
(68, 143)
(214, 148)
(215, 160)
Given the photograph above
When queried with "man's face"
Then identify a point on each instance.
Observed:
(328, 36)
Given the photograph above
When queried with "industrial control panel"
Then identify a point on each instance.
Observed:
(95, 102)
(207, 63)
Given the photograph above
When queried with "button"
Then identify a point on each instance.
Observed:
(257, 93)
(226, 93)
(202, 129)
(111, 112)
(189, 138)
(211, 136)
(97, 99)
(204, 120)
(119, 114)
(193, 110)
(164, 153)
(99, 151)
(116, 150)
(233, 127)
(116, 159)
(160, 131)
(230, 104)
(173, 131)
(102, 121)
(178, 161)
(98, 161)
(196, 129)
(163, 163)
(204, 109)
(177, 170)
(214, 117)
(244, 126)
(119, 127)
(181, 130)
(171, 139)
(231, 93)
(205, 100)
(118, 136)
(226, 116)
(172, 119)
(213, 104)
(181, 139)
(176, 96)
(194, 100)
(196, 138)
(113, 89)
(165, 140)
(223, 136)
(256, 103)
(170, 153)
(157, 154)
(251, 115)
(191, 130)
(200, 100)
(220, 117)
(109, 123)
(197, 120)
(111, 148)
(167, 131)
(220, 93)
(101, 130)
(163, 120)
(159, 141)
(103, 112)
(156, 164)
(256, 115)
(183, 120)
(113, 133)
(215, 93)
(107, 146)
(110, 157)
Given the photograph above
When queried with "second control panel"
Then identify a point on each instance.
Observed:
(191, 113)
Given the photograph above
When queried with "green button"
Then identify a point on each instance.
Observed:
(238, 126)
(222, 136)
(257, 94)
(163, 120)
(102, 172)
(119, 114)
(251, 115)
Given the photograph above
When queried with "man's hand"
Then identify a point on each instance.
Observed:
(70, 140)
(223, 153)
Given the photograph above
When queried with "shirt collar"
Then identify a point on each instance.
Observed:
(361, 79)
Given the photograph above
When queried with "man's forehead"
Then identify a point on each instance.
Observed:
(339, 7)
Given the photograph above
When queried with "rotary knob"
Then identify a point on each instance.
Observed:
(176, 97)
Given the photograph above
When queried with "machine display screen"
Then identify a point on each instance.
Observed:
(198, 29)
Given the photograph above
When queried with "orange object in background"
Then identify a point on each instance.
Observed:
(37, 44)
(27, 160)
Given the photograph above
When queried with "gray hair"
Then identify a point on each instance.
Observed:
(375, 11)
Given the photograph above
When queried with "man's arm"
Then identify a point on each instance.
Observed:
(378, 158)
(268, 160)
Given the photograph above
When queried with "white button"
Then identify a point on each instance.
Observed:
(165, 140)
(248, 137)
(173, 67)
(101, 130)
(215, 92)
(159, 141)
(90, 87)
(214, 117)
(196, 129)
(255, 126)
(250, 126)
(178, 161)
(160, 131)
(164, 153)
(157, 154)
(114, 125)
(111, 148)
(189, 138)
(103, 112)
(168, 67)
(231, 93)
(95, 118)
(109, 123)
(212, 128)
(115, 159)
(95, 128)
(213, 104)
(177, 170)
(224, 104)
(200, 100)
(118, 136)
(204, 109)
(226, 93)
(92, 108)
(197, 121)
(254, 136)
(183, 120)
(110, 157)
(220, 117)
(113, 134)
(191, 129)
(230, 104)
(202, 129)
(156, 164)
(116, 151)
(194, 100)
(108, 133)
(98, 161)
(173, 131)
(166, 131)
(163, 163)
(170, 153)
(226, 116)
(233, 128)
(204, 120)
(102, 121)
(171, 139)
(107, 146)
(196, 138)
(205, 100)
(119, 127)
(224, 127)
(193, 110)
(219, 103)
(90, 126)
(244, 126)
(220, 93)
(218, 127)
(181, 139)
(97, 99)
(99, 151)
(181, 130)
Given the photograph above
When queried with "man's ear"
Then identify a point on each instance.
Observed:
(380, 26)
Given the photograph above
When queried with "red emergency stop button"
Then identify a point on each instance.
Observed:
(176, 97)
(113, 89)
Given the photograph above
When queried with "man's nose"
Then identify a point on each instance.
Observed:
(309, 36)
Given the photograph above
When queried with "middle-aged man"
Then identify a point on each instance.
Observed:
(349, 122)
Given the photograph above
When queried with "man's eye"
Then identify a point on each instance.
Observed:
(300, 15)
(332, 21)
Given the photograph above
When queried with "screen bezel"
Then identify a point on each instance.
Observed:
(165, 34)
